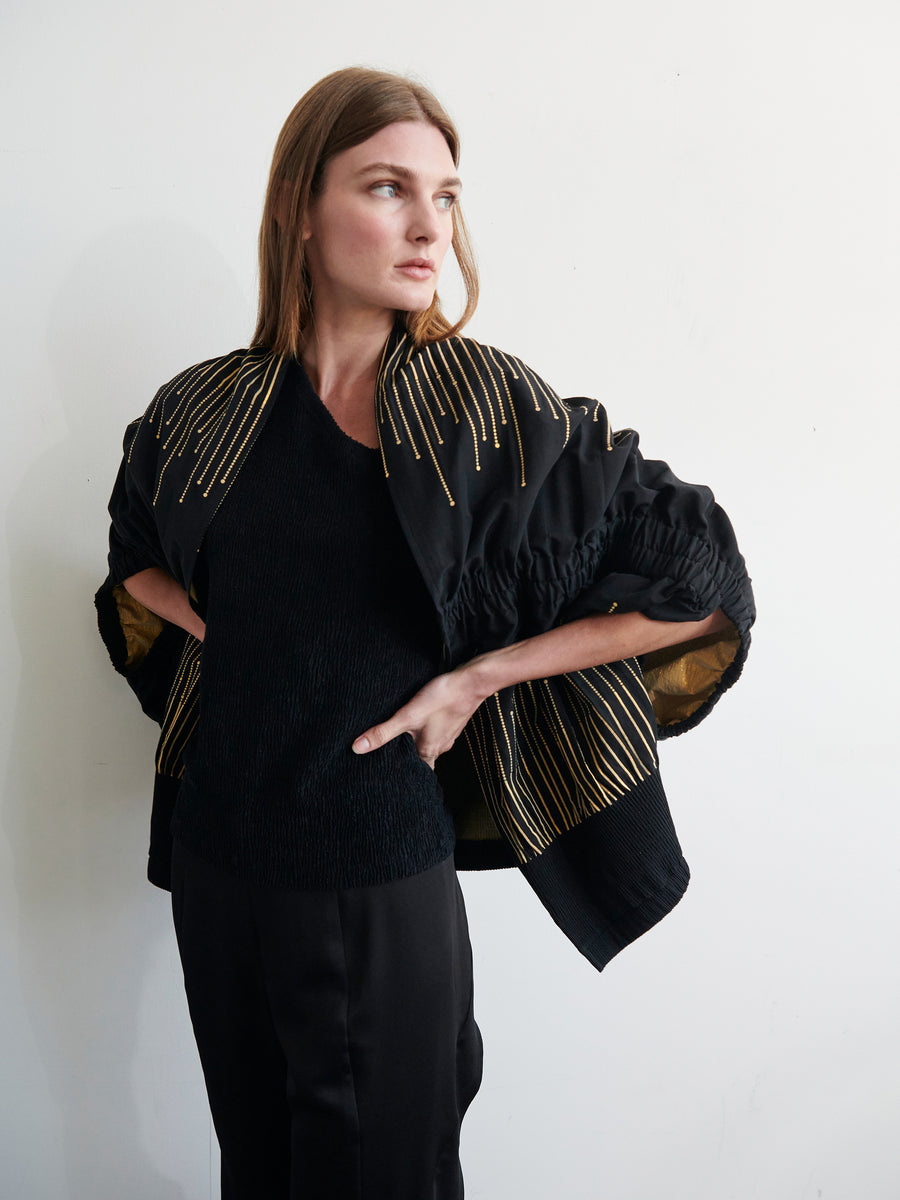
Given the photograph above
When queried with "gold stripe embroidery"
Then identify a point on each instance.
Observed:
(398, 405)
(446, 348)
(572, 757)
(431, 452)
(181, 714)
(444, 368)
(487, 399)
(423, 400)
(437, 375)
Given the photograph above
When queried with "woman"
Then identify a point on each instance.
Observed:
(405, 559)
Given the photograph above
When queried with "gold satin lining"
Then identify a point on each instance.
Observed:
(140, 626)
(681, 678)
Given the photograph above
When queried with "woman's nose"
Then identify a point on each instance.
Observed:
(424, 223)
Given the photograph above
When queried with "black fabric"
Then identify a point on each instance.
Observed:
(336, 1032)
(318, 626)
(134, 541)
(599, 887)
(159, 859)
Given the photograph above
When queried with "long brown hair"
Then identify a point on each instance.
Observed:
(340, 111)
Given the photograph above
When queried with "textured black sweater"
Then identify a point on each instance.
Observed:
(318, 626)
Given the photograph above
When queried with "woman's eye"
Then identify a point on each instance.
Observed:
(446, 201)
(385, 189)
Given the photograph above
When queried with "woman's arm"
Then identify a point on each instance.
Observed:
(158, 591)
(437, 714)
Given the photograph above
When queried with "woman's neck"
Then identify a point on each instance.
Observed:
(342, 358)
(342, 364)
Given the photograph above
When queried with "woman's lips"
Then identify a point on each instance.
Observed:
(417, 268)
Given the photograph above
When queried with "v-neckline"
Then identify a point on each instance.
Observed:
(326, 416)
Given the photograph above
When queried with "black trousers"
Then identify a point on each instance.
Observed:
(335, 1032)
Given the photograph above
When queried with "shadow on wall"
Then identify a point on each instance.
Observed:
(122, 1071)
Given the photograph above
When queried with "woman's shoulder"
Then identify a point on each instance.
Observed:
(211, 383)
(222, 372)
(193, 399)
(468, 353)
(478, 369)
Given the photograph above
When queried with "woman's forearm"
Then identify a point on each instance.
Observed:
(158, 591)
(438, 713)
(588, 642)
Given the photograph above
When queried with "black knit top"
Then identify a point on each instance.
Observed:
(318, 626)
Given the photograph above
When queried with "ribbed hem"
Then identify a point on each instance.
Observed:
(609, 880)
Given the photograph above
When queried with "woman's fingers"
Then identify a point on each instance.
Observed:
(379, 735)
(434, 717)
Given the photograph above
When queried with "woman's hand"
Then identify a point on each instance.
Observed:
(435, 716)
(158, 591)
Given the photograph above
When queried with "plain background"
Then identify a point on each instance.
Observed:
(689, 210)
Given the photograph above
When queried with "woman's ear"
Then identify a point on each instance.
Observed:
(281, 201)
(282, 195)
(306, 229)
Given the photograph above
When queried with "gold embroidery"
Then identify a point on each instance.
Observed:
(487, 366)
(182, 712)
(423, 400)
(487, 398)
(399, 408)
(439, 351)
(431, 452)
(449, 347)
(511, 364)
(440, 382)
(183, 429)
(562, 752)
(251, 413)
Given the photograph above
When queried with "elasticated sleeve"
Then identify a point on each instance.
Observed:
(668, 550)
(134, 543)
(142, 646)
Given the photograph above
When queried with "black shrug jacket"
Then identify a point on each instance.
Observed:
(523, 511)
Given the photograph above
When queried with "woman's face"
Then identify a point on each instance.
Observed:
(377, 233)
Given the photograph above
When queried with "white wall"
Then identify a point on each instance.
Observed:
(687, 209)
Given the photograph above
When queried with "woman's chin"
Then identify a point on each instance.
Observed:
(416, 298)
